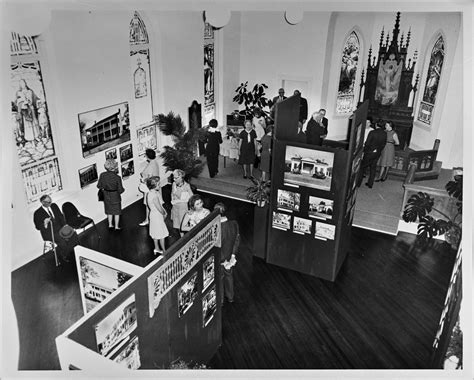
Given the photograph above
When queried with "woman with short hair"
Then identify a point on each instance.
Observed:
(180, 194)
(158, 230)
(151, 169)
(111, 183)
(196, 213)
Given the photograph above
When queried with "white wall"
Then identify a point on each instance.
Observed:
(86, 65)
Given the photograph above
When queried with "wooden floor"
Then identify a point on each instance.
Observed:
(381, 312)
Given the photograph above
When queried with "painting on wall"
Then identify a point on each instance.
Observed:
(209, 306)
(43, 178)
(186, 294)
(388, 81)
(98, 281)
(350, 59)
(114, 330)
(104, 128)
(308, 167)
(146, 136)
(432, 82)
(130, 355)
(88, 175)
(128, 169)
(30, 117)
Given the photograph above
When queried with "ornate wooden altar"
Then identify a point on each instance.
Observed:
(388, 83)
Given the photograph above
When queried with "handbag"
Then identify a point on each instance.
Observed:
(100, 195)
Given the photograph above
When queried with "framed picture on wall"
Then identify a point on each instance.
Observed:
(288, 200)
(111, 153)
(186, 294)
(308, 167)
(128, 169)
(88, 175)
(126, 152)
(320, 208)
(104, 128)
(209, 306)
(281, 221)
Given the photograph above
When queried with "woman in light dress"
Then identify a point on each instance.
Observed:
(151, 170)
(387, 157)
(196, 213)
(180, 194)
(158, 230)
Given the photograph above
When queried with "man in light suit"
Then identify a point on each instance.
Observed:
(49, 215)
(303, 107)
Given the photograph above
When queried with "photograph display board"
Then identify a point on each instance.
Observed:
(186, 294)
(100, 275)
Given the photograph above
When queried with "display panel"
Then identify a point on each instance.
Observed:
(104, 128)
(288, 200)
(308, 167)
(321, 208)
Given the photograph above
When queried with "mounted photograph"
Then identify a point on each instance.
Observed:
(88, 175)
(126, 152)
(321, 208)
(301, 225)
(209, 306)
(308, 167)
(111, 153)
(281, 221)
(288, 200)
(128, 169)
(186, 294)
(208, 272)
(130, 355)
(325, 231)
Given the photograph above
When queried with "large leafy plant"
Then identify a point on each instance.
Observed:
(420, 207)
(183, 154)
(252, 99)
(259, 192)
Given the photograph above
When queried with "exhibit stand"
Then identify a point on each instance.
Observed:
(169, 310)
(313, 195)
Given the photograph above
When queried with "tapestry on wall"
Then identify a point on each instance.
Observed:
(388, 81)
(30, 117)
(350, 59)
(104, 128)
(432, 81)
(41, 178)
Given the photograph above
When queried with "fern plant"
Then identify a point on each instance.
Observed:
(259, 192)
(183, 155)
(252, 99)
(420, 206)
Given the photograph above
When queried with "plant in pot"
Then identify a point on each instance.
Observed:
(252, 99)
(183, 155)
(259, 192)
(420, 206)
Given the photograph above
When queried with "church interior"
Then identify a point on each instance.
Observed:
(85, 82)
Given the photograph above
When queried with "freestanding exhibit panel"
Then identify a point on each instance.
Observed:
(171, 310)
(312, 199)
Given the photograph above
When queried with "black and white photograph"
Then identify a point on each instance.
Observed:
(301, 225)
(288, 200)
(98, 281)
(208, 272)
(128, 169)
(281, 221)
(356, 164)
(104, 128)
(320, 208)
(209, 306)
(126, 152)
(186, 294)
(308, 167)
(111, 154)
(114, 330)
(325, 231)
(130, 355)
(88, 175)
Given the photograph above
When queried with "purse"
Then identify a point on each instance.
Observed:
(100, 195)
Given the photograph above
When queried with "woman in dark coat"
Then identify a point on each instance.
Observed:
(112, 186)
(213, 141)
(266, 142)
(248, 148)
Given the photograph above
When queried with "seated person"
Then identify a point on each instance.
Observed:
(49, 220)
(196, 213)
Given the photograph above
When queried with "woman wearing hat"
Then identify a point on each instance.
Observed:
(112, 186)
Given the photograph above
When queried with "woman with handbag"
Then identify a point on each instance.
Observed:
(112, 187)
(151, 170)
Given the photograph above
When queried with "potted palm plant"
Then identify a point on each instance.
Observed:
(259, 192)
(420, 207)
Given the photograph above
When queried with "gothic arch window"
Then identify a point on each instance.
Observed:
(30, 119)
(209, 94)
(427, 103)
(347, 76)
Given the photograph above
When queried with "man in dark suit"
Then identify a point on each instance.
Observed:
(49, 215)
(213, 141)
(324, 121)
(230, 240)
(315, 131)
(277, 99)
(303, 107)
(373, 147)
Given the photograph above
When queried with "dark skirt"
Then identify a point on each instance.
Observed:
(247, 153)
(112, 208)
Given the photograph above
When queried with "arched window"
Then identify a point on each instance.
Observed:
(427, 104)
(209, 95)
(30, 119)
(349, 61)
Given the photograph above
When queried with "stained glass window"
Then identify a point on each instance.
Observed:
(138, 33)
(427, 104)
(209, 100)
(349, 61)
